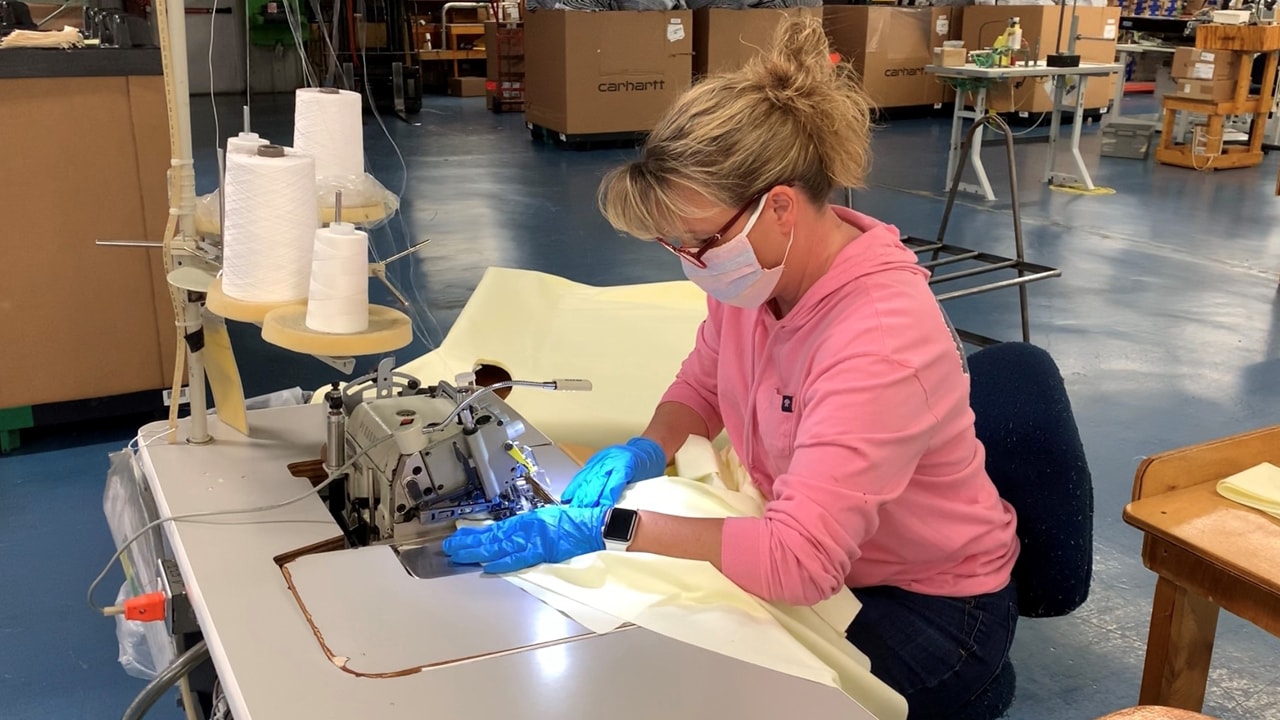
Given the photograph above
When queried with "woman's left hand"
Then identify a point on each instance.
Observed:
(553, 533)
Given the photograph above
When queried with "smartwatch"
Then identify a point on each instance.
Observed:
(619, 528)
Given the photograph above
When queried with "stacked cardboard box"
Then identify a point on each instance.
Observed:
(890, 47)
(1205, 74)
(1098, 28)
(604, 73)
(724, 39)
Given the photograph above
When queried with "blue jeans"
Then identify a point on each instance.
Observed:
(938, 652)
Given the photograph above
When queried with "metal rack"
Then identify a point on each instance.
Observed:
(941, 254)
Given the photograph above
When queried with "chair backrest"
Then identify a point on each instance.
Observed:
(1036, 459)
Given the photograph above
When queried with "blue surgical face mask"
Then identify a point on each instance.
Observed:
(733, 275)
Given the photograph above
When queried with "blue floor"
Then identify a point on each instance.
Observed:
(1164, 323)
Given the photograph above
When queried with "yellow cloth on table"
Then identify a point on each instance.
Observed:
(1258, 487)
(693, 602)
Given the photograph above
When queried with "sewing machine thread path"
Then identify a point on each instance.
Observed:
(426, 457)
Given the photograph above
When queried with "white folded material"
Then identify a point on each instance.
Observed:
(1258, 487)
(66, 38)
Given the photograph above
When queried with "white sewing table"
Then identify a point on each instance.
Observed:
(987, 76)
(475, 646)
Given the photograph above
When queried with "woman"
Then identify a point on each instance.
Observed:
(826, 359)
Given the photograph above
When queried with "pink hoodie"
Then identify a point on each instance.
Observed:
(852, 416)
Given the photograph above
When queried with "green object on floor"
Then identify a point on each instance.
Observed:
(13, 420)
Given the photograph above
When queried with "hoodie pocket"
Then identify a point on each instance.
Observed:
(778, 425)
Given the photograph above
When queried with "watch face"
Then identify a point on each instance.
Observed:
(621, 525)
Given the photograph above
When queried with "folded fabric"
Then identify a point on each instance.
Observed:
(693, 602)
(1258, 488)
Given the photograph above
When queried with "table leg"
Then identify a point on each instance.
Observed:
(1179, 647)
(957, 127)
(1055, 125)
(1118, 96)
(975, 150)
(1077, 122)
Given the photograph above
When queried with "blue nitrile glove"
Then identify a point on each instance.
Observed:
(601, 481)
(553, 533)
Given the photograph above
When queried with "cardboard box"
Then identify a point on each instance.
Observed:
(984, 23)
(950, 57)
(724, 39)
(592, 73)
(1214, 90)
(466, 86)
(1195, 64)
(79, 320)
(890, 47)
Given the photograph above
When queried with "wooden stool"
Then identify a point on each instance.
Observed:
(1211, 154)
(1154, 712)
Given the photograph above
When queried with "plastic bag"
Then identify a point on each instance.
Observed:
(366, 202)
(128, 505)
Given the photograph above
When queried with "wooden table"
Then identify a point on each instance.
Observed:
(1209, 552)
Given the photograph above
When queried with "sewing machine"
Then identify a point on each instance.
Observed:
(405, 461)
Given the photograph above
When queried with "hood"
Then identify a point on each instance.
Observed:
(878, 249)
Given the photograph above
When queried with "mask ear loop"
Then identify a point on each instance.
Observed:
(750, 223)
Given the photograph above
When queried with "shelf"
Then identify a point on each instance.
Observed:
(465, 29)
(446, 55)
(1208, 107)
(1231, 158)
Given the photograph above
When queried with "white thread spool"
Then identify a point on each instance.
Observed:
(327, 125)
(246, 143)
(339, 298)
(271, 216)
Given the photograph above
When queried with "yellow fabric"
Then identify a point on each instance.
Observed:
(1258, 487)
(628, 341)
(693, 602)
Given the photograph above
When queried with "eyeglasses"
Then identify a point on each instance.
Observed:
(693, 254)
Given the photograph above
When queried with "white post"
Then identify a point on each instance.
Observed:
(171, 16)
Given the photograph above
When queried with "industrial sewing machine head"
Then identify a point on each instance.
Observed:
(423, 457)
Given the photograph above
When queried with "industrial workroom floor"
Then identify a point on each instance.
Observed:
(1164, 324)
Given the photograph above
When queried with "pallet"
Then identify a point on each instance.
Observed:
(585, 141)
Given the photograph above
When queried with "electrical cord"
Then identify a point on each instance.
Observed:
(216, 513)
(177, 670)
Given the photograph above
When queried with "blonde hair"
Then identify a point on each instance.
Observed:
(790, 115)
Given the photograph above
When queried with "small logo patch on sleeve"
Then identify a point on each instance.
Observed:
(788, 404)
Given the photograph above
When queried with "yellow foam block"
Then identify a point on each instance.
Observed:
(286, 327)
(223, 305)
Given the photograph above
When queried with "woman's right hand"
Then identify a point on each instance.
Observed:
(607, 473)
